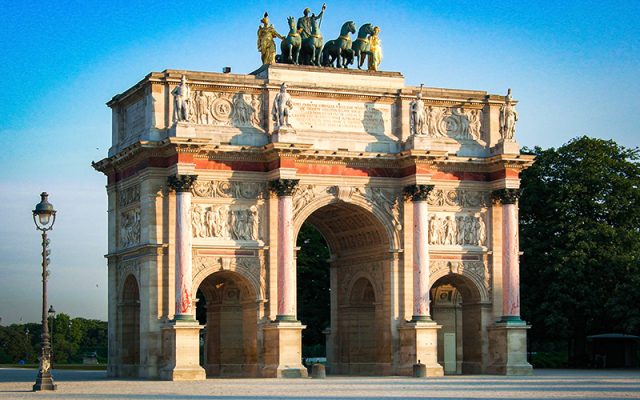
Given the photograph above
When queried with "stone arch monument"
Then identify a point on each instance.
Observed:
(414, 189)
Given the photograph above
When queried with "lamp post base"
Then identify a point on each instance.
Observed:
(44, 382)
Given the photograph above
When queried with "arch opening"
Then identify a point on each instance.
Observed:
(226, 305)
(352, 291)
(130, 327)
(456, 306)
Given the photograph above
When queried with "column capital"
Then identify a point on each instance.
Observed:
(505, 196)
(417, 192)
(181, 183)
(283, 187)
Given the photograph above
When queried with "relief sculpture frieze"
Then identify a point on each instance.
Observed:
(130, 228)
(225, 222)
(457, 229)
(463, 198)
(229, 189)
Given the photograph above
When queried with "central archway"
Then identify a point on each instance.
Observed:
(359, 336)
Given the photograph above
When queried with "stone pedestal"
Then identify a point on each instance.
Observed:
(419, 345)
(181, 343)
(506, 147)
(282, 354)
(508, 349)
(284, 134)
(183, 129)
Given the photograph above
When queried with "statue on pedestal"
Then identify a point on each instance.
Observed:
(418, 116)
(181, 98)
(266, 43)
(508, 118)
(281, 106)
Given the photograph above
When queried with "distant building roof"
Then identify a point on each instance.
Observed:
(613, 336)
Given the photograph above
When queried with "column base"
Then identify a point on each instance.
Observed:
(419, 344)
(508, 347)
(181, 349)
(283, 350)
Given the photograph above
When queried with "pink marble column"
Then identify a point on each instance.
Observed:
(510, 254)
(183, 275)
(418, 195)
(284, 189)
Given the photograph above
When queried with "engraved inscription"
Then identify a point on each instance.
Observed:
(372, 118)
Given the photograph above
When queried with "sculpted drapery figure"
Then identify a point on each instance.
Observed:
(508, 118)
(418, 115)
(266, 44)
(281, 106)
(305, 23)
(375, 46)
(181, 98)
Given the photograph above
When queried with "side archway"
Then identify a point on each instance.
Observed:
(459, 304)
(129, 327)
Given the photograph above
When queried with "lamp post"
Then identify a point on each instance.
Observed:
(44, 216)
(52, 314)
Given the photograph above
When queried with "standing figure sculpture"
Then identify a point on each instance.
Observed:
(266, 43)
(418, 117)
(305, 23)
(290, 46)
(339, 50)
(281, 106)
(375, 46)
(508, 118)
(361, 47)
(181, 98)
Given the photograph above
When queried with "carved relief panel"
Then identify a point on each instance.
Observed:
(129, 228)
(230, 210)
(240, 110)
(456, 122)
(461, 229)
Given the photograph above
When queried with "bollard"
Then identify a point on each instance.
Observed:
(318, 371)
(419, 370)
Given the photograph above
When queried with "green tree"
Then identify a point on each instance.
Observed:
(314, 308)
(580, 233)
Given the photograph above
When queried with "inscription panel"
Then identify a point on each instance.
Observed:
(341, 116)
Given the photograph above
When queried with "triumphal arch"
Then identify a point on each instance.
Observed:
(415, 190)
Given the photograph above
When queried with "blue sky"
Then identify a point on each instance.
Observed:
(574, 67)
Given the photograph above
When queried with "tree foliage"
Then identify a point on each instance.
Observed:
(314, 306)
(71, 340)
(580, 233)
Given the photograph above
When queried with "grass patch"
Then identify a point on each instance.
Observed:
(82, 367)
(550, 359)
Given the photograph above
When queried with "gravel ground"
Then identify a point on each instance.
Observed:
(556, 384)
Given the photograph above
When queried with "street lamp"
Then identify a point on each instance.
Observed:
(44, 216)
(52, 315)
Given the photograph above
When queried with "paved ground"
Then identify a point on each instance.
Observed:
(557, 384)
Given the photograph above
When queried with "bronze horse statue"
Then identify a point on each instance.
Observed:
(311, 49)
(361, 47)
(290, 46)
(339, 50)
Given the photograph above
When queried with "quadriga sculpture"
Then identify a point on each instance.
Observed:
(361, 47)
(339, 50)
(312, 46)
(290, 46)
